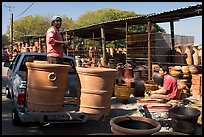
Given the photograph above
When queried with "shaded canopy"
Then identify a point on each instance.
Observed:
(113, 33)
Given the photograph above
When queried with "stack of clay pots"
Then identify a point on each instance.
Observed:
(196, 87)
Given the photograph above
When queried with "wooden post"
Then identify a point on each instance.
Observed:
(39, 45)
(103, 46)
(172, 40)
(148, 52)
(126, 39)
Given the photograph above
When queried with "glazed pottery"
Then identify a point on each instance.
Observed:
(122, 92)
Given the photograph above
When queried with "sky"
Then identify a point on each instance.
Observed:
(188, 27)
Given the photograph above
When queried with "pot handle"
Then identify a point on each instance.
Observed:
(52, 76)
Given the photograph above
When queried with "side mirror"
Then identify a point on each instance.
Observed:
(7, 64)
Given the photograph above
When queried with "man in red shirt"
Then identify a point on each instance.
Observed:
(54, 42)
(169, 89)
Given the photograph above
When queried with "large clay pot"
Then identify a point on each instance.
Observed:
(97, 85)
(193, 69)
(184, 119)
(138, 84)
(46, 86)
(157, 78)
(138, 88)
(134, 125)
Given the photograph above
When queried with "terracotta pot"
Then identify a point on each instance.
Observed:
(195, 56)
(128, 73)
(97, 86)
(134, 125)
(189, 55)
(120, 74)
(181, 83)
(193, 69)
(46, 86)
(122, 92)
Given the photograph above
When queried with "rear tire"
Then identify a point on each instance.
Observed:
(15, 118)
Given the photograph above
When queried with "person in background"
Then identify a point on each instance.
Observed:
(54, 42)
(170, 89)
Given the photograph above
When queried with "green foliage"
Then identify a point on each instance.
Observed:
(35, 25)
(102, 15)
(5, 40)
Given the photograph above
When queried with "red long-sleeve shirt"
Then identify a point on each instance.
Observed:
(53, 49)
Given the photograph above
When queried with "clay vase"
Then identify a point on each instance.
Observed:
(138, 84)
(120, 74)
(157, 78)
(128, 75)
(182, 88)
(195, 55)
(46, 86)
(134, 125)
(97, 85)
(189, 60)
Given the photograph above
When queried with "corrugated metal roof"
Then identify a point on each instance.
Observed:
(166, 16)
(146, 16)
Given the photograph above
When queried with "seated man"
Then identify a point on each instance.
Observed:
(169, 89)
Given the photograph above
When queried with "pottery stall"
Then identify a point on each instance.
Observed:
(46, 86)
(97, 85)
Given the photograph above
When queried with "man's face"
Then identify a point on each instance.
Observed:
(161, 72)
(58, 22)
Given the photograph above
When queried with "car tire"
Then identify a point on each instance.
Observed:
(15, 118)
(8, 94)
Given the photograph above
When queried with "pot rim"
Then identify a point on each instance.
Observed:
(196, 114)
(134, 131)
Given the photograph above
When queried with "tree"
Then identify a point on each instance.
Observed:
(35, 25)
(102, 15)
(5, 40)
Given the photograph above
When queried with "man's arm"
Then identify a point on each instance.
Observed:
(159, 91)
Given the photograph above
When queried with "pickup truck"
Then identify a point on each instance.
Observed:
(16, 90)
